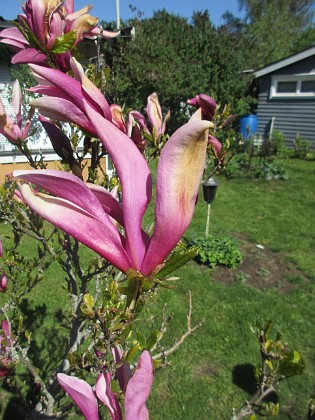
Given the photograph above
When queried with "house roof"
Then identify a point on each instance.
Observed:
(5, 23)
(285, 62)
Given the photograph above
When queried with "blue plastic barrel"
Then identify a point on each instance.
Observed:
(248, 125)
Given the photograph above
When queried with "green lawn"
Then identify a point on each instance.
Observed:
(200, 382)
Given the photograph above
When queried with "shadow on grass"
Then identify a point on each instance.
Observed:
(46, 351)
(244, 377)
(48, 336)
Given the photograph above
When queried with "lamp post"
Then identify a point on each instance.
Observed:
(209, 190)
(117, 14)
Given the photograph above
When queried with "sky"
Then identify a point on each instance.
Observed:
(106, 9)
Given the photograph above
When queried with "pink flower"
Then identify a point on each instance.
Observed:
(6, 363)
(12, 130)
(136, 125)
(214, 142)
(154, 113)
(3, 283)
(137, 392)
(85, 212)
(65, 95)
(118, 118)
(206, 103)
(47, 21)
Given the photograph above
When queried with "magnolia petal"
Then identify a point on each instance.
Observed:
(30, 55)
(117, 117)
(65, 186)
(35, 13)
(111, 206)
(5, 325)
(16, 45)
(75, 15)
(66, 84)
(215, 143)
(207, 104)
(60, 142)
(135, 178)
(62, 110)
(105, 394)
(138, 389)
(82, 25)
(101, 237)
(123, 372)
(17, 101)
(94, 96)
(56, 29)
(13, 34)
(101, 32)
(179, 172)
(81, 393)
(154, 112)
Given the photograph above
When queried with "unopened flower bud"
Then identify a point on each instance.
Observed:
(3, 283)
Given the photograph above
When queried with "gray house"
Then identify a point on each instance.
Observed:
(286, 97)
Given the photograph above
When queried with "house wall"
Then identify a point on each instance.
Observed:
(294, 117)
(7, 168)
(5, 79)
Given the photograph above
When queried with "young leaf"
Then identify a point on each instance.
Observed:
(64, 42)
(88, 300)
(177, 259)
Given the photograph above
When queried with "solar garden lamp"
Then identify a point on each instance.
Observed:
(209, 190)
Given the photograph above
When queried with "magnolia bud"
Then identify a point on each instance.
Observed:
(3, 283)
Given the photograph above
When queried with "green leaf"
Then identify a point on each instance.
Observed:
(64, 42)
(132, 352)
(141, 339)
(178, 258)
(28, 335)
(153, 339)
(291, 365)
(87, 310)
(88, 300)
(29, 36)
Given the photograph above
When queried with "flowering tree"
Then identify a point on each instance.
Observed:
(106, 296)
(132, 264)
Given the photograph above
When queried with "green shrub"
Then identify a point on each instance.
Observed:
(217, 250)
(302, 149)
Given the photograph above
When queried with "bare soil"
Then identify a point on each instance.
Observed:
(263, 269)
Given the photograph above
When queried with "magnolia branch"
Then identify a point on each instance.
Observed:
(189, 331)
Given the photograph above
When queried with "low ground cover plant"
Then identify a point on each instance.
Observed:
(217, 250)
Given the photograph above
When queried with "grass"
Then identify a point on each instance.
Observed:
(277, 214)
(204, 378)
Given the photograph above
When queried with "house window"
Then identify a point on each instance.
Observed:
(286, 87)
(308, 86)
(295, 86)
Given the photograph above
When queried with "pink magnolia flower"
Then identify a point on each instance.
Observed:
(215, 143)
(6, 363)
(47, 21)
(137, 392)
(12, 130)
(136, 125)
(118, 118)
(3, 283)
(64, 96)
(85, 211)
(206, 103)
(154, 113)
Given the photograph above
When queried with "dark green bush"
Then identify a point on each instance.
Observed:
(217, 250)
